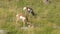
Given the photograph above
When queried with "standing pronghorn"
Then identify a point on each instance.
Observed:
(23, 18)
(29, 10)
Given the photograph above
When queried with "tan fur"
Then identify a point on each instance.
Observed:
(23, 20)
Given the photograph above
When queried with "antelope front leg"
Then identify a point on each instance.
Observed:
(24, 23)
(17, 18)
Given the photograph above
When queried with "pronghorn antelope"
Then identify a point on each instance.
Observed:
(23, 18)
(29, 10)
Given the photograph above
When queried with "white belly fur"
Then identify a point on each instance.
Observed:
(22, 18)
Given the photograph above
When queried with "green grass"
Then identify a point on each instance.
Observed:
(47, 16)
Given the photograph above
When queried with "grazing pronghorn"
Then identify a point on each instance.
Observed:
(29, 10)
(23, 18)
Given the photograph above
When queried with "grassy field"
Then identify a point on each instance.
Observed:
(46, 21)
